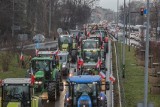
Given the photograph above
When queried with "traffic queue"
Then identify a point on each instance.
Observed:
(80, 56)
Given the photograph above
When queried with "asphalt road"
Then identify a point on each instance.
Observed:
(60, 100)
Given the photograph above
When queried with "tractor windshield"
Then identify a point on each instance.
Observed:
(17, 93)
(90, 44)
(65, 39)
(62, 58)
(41, 65)
(89, 88)
(90, 56)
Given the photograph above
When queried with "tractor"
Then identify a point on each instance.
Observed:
(85, 91)
(65, 43)
(18, 92)
(64, 63)
(97, 37)
(48, 80)
(91, 61)
(88, 44)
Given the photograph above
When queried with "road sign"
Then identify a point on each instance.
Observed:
(59, 30)
(16, 27)
(23, 37)
(145, 11)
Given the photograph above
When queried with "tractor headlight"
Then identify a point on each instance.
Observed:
(40, 82)
(63, 66)
(101, 98)
(36, 82)
(71, 74)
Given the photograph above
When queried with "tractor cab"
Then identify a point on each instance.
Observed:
(51, 54)
(42, 66)
(17, 92)
(46, 53)
(90, 44)
(91, 58)
(64, 62)
(65, 42)
(97, 37)
(85, 91)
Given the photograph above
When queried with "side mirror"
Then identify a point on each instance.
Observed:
(61, 86)
(107, 85)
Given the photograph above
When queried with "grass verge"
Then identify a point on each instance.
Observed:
(134, 81)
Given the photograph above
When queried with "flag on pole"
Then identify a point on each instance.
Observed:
(37, 52)
(56, 52)
(98, 63)
(21, 57)
(102, 75)
(112, 78)
(80, 62)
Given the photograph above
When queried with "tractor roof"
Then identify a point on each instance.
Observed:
(63, 53)
(91, 50)
(90, 40)
(94, 35)
(17, 81)
(82, 79)
(45, 52)
(42, 58)
(65, 35)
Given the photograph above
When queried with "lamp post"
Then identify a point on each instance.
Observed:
(146, 58)
(50, 19)
(123, 51)
(117, 15)
(129, 22)
(13, 20)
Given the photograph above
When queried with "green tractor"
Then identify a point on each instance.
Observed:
(48, 80)
(18, 92)
(88, 44)
(65, 43)
(91, 64)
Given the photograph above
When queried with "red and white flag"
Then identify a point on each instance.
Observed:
(57, 51)
(98, 63)
(88, 34)
(103, 76)
(22, 57)
(32, 79)
(80, 62)
(37, 52)
(112, 78)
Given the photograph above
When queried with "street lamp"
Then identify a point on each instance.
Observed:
(146, 58)
(123, 55)
(13, 20)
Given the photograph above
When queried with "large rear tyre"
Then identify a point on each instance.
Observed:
(52, 92)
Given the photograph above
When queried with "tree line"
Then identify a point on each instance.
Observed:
(32, 16)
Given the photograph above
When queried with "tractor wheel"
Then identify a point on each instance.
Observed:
(52, 92)
(58, 83)
(104, 103)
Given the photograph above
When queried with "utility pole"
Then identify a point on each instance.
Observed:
(158, 19)
(129, 22)
(146, 58)
(50, 18)
(123, 56)
(117, 16)
(13, 20)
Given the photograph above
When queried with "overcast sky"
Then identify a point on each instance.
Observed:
(110, 4)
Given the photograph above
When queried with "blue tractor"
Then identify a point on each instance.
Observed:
(85, 91)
